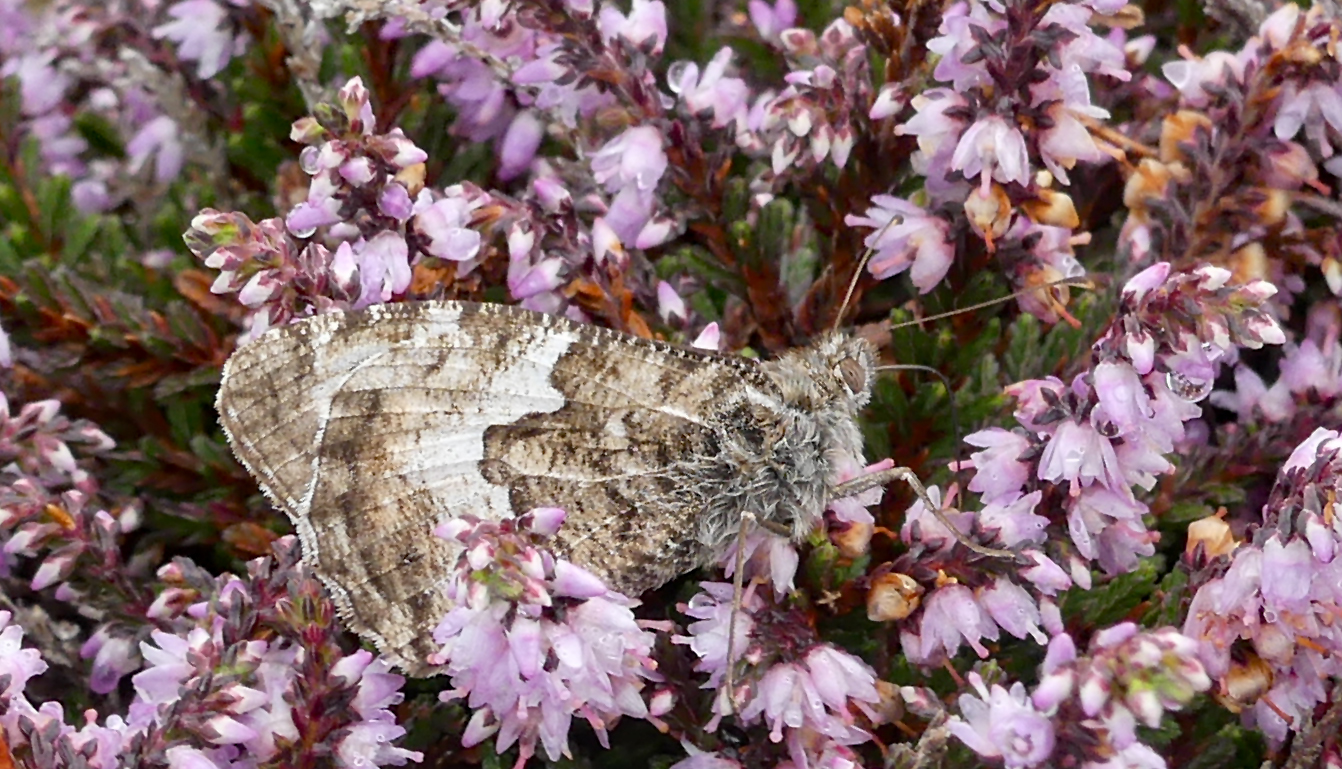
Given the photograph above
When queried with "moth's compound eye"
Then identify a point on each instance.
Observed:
(853, 374)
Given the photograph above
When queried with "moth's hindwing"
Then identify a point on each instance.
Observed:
(369, 428)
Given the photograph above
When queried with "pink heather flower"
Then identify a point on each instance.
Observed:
(669, 303)
(771, 20)
(17, 664)
(630, 166)
(1252, 399)
(709, 339)
(1315, 107)
(712, 92)
(854, 509)
(1079, 455)
(113, 658)
(41, 86)
(646, 23)
(1045, 574)
(950, 615)
(634, 159)
(382, 267)
(1012, 608)
(1015, 522)
(817, 692)
(1135, 675)
(519, 144)
(1320, 441)
(992, 149)
(906, 237)
(1003, 724)
(201, 31)
(1083, 52)
(999, 469)
(368, 741)
(543, 278)
(807, 691)
(923, 526)
(938, 133)
(768, 556)
(158, 139)
(394, 201)
(1190, 76)
(712, 609)
(446, 223)
(1067, 142)
(957, 40)
(525, 668)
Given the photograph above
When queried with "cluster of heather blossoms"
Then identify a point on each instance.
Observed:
(211, 697)
(131, 67)
(1265, 118)
(748, 175)
(1077, 463)
(1264, 611)
(816, 699)
(1085, 710)
(360, 199)
(1011, 123)
(535, 640)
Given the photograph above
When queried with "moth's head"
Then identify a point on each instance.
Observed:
(844, 367)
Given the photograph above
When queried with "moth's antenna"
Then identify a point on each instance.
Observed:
(1084, 283)
(852, 284)
(738, 591)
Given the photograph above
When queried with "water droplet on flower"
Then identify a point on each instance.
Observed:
(1187, 389)
(676, 73)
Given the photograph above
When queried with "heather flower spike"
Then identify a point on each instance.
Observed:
(535, 640)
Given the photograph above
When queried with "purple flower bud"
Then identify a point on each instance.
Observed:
(669, 303)
(353, 98)
(519, 144)
(1145, 282)
(546, 521)
(576, 582)
(446, 224)
(542, 278)
(552, 194)
(1001, 723)
(1013, 609)
(770, 21)
(709, 339)
(357, 171)
(226, 730)
(644, 26)
(183, 757)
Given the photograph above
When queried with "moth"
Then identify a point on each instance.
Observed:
(369, 428)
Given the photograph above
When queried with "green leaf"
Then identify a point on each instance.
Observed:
(1169, 608)
(1112, 601)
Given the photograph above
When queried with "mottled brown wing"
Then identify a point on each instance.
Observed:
(369, 428)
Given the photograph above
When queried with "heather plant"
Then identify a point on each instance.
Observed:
(1113, 229)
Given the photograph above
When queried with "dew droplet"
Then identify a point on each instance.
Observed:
(676, 73)
(1187, 389)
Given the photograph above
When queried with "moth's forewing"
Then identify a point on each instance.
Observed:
(369, 428)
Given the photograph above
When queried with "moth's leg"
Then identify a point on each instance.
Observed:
(873, 480)
(773, 527)
(738, 590)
